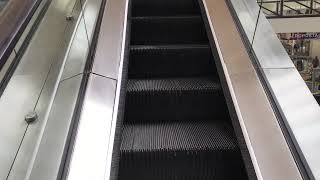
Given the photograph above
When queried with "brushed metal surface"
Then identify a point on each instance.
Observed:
(268, 48)
(89, 158)
(266, 44)
(66, 67)
(29, 145)
(90, 15)
(101, 102)
(115, 115)
(47, 159)
(262, 133)
(247, 13)
(77, 56)
(25, 86)
(301, 112)
(80, 46)
(295, 102)
(14, 105)
(109, 47)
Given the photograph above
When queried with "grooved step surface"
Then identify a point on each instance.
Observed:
(170, 61)
(184, 99)
(188, 136)
(176, 122)
(164, 7)
(180, 151)
(176, 86)
(168, 30)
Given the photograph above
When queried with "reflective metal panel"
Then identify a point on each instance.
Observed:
(247, 13)
(14, 105)
(25, 86)
(219, 24)
(265, 138)
(295, 102)
(89, 158)
(80, 47)
(47, 159)
(100, 111)
(268, 48)
(301, 112)
(78, 52)
(33, 133)
(269, 152)
(266, 44)
(90, 15)
(109, 47)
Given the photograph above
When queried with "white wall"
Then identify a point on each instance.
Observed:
(289, 25)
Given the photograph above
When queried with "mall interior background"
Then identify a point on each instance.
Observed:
(297, 24)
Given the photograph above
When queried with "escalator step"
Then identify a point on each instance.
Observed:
(195, 150)
(176, 121)
(168, 30)
(164, 7)
(171, 61)
(176, 99)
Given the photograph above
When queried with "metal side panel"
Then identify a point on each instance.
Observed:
(248, 14)
(268, 48)
(82, 40)
(90, 15)
(109, 47)
(13, 111)
(268, 149)
(68, 66)
(301, 112)
(78, 52)
(29, 144)
(298, 109)
(92, 152)
(26, 84)
(89, 158)
(47, 160)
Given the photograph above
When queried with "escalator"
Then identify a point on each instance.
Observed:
(176, 121)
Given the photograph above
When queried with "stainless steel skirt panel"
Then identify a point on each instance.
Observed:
(109, 47)
(89, 158)
(82, 41)
(262, 133)
(98, 119)
(299, 110)
(301, 113)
